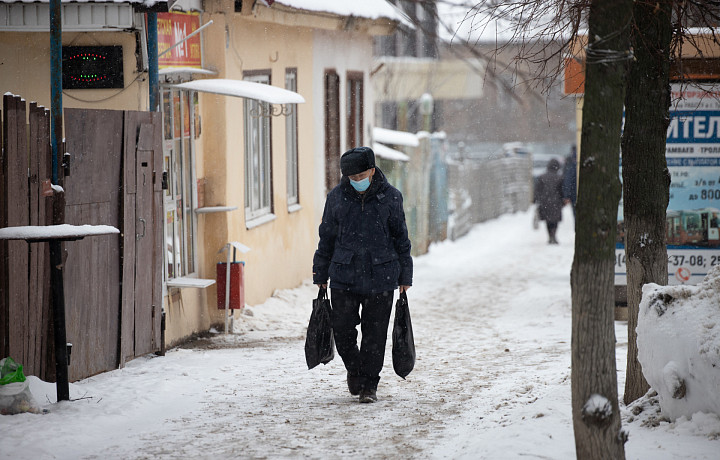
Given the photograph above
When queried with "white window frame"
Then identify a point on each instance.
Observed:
(291, 144)
(180, 245)
(258, 155)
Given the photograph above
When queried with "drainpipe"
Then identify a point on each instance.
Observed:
(56, 274)
(152, 45)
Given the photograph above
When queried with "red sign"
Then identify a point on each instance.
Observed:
(172, 29)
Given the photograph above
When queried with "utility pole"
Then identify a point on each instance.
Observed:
(56, 259)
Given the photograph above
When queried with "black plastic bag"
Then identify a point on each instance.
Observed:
(319, 341)
(403, 347)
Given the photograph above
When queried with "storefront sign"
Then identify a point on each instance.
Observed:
(172, 29)
(693, 213)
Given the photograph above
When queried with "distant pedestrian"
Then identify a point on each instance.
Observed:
(569, 186)
(548, 196)
(365, 251)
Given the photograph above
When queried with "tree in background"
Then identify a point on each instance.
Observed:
(660, 27)
(646, 180)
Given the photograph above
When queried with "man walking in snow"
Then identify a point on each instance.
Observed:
(548, 196)
(365, 251)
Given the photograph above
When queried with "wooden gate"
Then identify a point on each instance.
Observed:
(112, 285)
(142, 235)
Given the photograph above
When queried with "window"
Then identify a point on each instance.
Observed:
(178, 109)
(355, 109)
(258, 159)
(291, 141)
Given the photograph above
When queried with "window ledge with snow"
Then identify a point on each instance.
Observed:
(212, 209)
(187, 282)
(261, 220)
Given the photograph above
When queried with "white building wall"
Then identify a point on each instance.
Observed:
(344, 52)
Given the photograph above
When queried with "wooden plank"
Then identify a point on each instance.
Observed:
(127, 332)
(31, 364)
(47, 370)
(4, 334)
(17, 214)
(94, 140)
(109, 259)
(158, 237)
(144, 255)
(127, 317)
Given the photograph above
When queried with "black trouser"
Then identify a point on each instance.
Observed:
(552, 229)
(367, 361)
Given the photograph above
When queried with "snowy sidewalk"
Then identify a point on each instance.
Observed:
(491, 313)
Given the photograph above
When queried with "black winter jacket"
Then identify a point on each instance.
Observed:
(364, 245)
(548, 196)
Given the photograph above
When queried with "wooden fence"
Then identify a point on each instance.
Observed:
(25, 307)
(487, 188)
(112, 283)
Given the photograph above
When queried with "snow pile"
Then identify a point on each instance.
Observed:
(679, 345)
(278, 316)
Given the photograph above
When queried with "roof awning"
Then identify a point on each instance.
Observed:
(387, 153)
(195, 70)
(392, 137)
(246, 89)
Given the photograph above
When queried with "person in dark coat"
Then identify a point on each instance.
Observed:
(569, 186)
(548, 196)
(365, 251)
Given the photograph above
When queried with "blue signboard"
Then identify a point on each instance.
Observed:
(693, 213)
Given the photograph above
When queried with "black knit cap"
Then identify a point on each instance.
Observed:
(357, 160)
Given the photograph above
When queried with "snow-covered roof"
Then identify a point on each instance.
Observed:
(174, 70)
(242, 88)
(54, 232)
(371, 9)
(392, 137)
(387, 153)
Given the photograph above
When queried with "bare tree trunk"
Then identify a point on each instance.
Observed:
(646, 180)
(596, 413)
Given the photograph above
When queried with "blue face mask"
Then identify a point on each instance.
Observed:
(361, 185)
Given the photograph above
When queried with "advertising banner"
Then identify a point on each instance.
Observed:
(693, 213)
(172, 29)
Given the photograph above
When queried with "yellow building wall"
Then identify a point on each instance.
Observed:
(281, 250)
(25, 70)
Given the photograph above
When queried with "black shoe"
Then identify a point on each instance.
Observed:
(368, 395)
(354, 384)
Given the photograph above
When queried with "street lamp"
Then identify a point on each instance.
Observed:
(426, 109)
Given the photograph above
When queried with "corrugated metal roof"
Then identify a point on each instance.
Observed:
(79, 17)
(146, 3)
